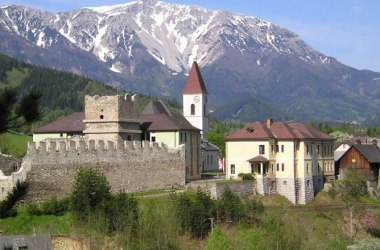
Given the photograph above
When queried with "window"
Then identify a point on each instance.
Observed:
(261, 149)
(307, 168)
(282, 166)
(277, 149)
(232, 168)
(278, 167)
(252, 168)
(271, 149)
(180, 137)
(317, 149)
(153, 139)
(282, 148)
(307, 149)
(61, 135)
(204, 109)
(192, 109)
(129, 138)
(272, 168)
(101, 117)
(308, 183)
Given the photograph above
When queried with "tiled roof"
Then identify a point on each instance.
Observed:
(258, 158)
(70, 123)
(155, 107)
(369, 151)
(208, 146)
(156, 117)
(277, 130)
(194, 83)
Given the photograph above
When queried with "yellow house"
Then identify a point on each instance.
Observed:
(63, 128)
(291, 159)
(160, 125)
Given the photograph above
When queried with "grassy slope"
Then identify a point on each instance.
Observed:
(14, 143)
(280, 227)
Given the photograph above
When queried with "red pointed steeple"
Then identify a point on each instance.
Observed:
(194, 83)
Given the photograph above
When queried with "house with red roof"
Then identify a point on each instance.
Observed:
(290, 159)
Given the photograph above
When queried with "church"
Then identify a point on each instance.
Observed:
(116, 118)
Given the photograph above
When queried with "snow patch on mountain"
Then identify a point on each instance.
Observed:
(109, 10)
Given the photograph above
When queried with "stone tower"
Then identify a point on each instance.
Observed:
(195, 94)
(111, 118)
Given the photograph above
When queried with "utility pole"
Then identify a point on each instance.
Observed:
(351, 223)
(212, 223)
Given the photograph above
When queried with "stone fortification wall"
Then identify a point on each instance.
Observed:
(50, 167)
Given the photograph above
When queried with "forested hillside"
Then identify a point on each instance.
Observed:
(62, 93)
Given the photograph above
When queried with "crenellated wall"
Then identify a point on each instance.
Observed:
(50, 167)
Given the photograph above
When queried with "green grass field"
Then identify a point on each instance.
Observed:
(13, 143)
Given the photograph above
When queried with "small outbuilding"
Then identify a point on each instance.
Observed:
(365, 158)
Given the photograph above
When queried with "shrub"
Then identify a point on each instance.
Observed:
(194, 211)
(17, 193)
(230, 206)
(123, 214)
(55, 206)
(217, 240)
(355, 185)
(90, 193)
(246, 176)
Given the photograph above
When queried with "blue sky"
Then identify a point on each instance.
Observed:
(348, 30)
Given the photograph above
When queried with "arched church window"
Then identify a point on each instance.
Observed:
(192, 109)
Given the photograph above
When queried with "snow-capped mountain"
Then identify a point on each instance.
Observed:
(148, 46)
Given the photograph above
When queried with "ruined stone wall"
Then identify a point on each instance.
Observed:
(9, 164)
(50, 167)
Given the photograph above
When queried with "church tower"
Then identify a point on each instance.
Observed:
(194, 95)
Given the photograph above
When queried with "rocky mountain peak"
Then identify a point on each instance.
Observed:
(149, 46)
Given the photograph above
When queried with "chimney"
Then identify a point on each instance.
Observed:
(269, 122)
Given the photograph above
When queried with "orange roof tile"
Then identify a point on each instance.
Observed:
(277, 130)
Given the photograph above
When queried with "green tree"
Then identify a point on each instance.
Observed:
(123, 214)
(90, 193)
(217, 240)
(194, 211)
(230, 206)
(13, 115)
(355, 184)
(8, 204)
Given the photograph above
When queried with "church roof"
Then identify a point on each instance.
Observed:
(157, 117)
(70, 123)
(194, 83)
(155, 107)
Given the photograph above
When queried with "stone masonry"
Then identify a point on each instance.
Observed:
(112, 118)
(51, 167)
(8, 164)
